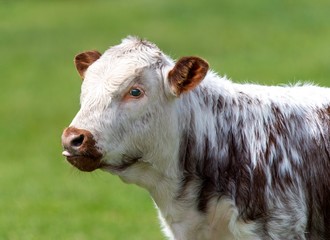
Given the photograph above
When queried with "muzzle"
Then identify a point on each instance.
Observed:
(80, 149)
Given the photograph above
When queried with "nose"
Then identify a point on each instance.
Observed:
(80, 149)
(74, 139)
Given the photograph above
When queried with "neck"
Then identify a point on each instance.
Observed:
(211, 149)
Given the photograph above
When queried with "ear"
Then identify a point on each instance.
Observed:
(187, 73)
(84, 60)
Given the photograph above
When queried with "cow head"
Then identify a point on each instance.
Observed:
(129, 107)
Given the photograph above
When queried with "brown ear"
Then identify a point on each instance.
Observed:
(187, 73)
(84, 60)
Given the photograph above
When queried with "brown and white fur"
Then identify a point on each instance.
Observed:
(221, 160)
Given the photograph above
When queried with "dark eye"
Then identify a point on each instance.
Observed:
(135, 92)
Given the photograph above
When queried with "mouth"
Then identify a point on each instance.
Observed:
(88, 163)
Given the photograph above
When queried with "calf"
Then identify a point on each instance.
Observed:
(221, 160)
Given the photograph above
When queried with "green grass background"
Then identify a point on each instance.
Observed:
(43, 197)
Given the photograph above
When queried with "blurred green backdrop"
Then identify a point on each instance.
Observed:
(43, 197)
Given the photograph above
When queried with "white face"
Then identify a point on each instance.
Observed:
(125, 106)
(128, 108)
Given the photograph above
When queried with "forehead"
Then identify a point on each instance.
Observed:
(118, 67)
(125, 60)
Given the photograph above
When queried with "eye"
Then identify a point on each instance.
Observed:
(135, 92)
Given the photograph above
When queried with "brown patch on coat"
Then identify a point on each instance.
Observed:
(84, 60)
(187, 73)
(231, 173)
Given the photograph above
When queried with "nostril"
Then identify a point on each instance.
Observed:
(77, 141)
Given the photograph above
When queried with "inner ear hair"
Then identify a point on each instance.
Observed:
(84, 60)
(187, 73)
